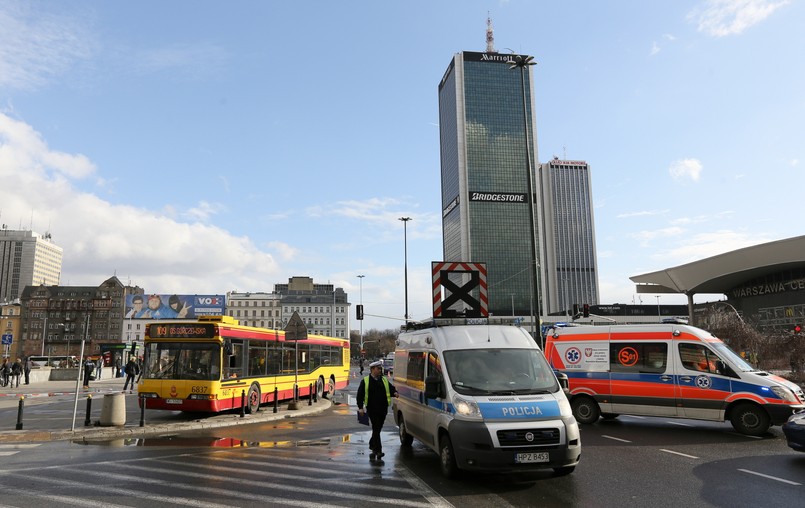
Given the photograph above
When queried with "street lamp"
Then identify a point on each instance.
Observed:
(524, 62)
(360, 279)
(405, 236)
(659, 314)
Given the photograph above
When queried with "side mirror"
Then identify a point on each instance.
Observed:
(564, 382)
(434, 388)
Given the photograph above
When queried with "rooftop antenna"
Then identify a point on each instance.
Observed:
(490, 35)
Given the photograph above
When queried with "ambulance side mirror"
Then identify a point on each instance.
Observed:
(434, 387)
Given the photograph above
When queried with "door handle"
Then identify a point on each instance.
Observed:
(686, 379)
(665, 378)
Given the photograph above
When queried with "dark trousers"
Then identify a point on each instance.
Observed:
(377, 419)
(27, 377)
(129, 378)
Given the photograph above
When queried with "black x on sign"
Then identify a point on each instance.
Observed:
(445, 275)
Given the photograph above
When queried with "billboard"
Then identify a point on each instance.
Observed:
(173, 306)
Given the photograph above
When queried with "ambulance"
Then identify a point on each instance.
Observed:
(667, 370)
(484, 398)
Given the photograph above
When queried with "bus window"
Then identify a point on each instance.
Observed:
(235, 364)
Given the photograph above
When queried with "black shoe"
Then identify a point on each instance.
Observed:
(371, 457)
(380, 455)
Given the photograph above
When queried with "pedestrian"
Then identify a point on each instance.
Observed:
(29, 364)
(5, 372)
(89, 367)
(16, 372)
(99, 368)
(132, 369)
(374, 397)
(360, 363)
(117, 367)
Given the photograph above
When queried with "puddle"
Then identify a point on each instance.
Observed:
(216, 442)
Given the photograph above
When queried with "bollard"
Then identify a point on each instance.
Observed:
(87, 419)
(276, 399)
(242, 403)
(19, 412)
(316, 393)
(142, 410)
(310, 396)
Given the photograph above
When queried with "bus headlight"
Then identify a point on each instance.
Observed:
(466, 407)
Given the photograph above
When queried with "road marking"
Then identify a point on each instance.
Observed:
(678, 453)
(769, 477)
(423, 488)
(616, 438)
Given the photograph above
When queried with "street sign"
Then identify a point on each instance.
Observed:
(295, 329)
(7, 338)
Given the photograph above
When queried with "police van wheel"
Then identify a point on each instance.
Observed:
(406, 439)
(253, 399)
(585, 410)
(750, 419)
(447, 457)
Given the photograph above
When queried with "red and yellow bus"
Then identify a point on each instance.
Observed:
(207, 365)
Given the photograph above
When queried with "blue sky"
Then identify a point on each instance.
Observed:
(202, 147)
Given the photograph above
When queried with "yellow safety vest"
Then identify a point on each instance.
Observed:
(366, 390)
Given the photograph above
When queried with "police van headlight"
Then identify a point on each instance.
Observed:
(467, 408)
(784, 393)
(564, 406)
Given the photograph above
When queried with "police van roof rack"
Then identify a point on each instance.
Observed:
(437, 322)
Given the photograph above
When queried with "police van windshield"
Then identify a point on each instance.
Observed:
(499, 371)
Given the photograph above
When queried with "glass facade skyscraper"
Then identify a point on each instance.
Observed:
(485, 201)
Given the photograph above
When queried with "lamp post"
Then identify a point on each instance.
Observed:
(524, 62)
(659, 314)
(44, 334)
(405, 237)
(360, 280)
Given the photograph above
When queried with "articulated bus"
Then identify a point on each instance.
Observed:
(207, 365)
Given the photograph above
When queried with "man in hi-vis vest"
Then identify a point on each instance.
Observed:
(374, 397)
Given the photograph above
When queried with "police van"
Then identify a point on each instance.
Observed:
(667, 370)
(484, 398)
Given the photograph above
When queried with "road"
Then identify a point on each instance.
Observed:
(323, 461)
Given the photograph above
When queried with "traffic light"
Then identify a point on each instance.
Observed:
(586, 311)
(797, 328)
(575, 309)
(359, 312)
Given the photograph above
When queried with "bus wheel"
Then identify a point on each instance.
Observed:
(585, 410)
(331, 389)
(253, 399)
(319, 388)
(750, 419)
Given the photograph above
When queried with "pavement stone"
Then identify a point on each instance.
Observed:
(38, 427)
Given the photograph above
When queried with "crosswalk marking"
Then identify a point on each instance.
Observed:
(6, 450)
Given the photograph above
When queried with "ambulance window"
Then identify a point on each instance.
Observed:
(638, 357)
(697, 357)
(416, 367)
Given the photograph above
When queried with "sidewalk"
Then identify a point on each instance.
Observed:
(47, 426)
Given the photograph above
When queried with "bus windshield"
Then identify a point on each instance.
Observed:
(182, 360)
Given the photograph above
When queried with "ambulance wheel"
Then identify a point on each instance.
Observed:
(406, 439)
(585, 410)
(609, 416)
(253, 399)
(750, 419)
(447, 457)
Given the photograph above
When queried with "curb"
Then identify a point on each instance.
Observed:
(93, 434)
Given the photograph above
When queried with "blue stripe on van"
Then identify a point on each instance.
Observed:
(519, 410)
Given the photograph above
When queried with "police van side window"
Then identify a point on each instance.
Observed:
(638, 357)
(416, 368)
(434, 365)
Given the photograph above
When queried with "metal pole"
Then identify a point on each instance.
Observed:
(80, 366)
(405, 239)
(44, 331)
(360, 278)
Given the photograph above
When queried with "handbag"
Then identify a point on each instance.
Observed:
(363, 419)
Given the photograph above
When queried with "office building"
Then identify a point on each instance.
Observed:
(486, 114)
(27, 259)
(323, 307)
(263, 310)
(570, 261)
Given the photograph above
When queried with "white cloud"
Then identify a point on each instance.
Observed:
(642, 213)
(645, 237)
(794, 162)
(720, 18)
(655, 48)
(707, 244)
(100, 238)
(686, 169)
(37, 46)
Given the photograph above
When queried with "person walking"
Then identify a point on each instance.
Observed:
(16, 372)
(374, 397)
(29, 364)
(5, 372)
(99, 368)
(89, 367)
(132, 369)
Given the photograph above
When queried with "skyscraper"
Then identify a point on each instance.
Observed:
(27, 259)
(486, 114)
(570, 263)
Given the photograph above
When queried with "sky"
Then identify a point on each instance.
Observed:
(201, 147)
